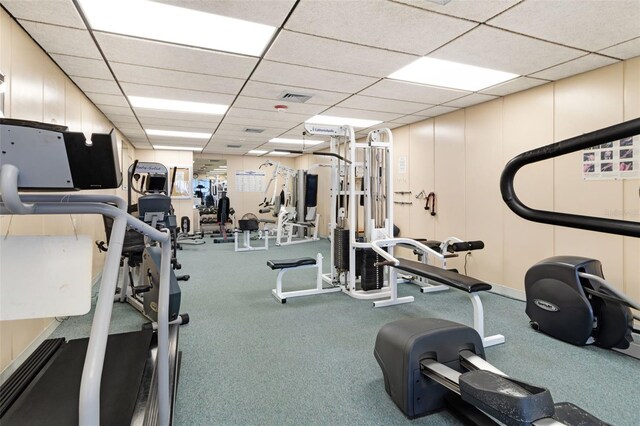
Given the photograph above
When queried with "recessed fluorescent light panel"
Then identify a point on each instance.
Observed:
(295, 141)
(453, 75)
(178, 148)
(342, 121)
(177, 134)
(163, 22)
(180, 106)
(278, 153)
(257, 152)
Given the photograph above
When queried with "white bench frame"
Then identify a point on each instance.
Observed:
(282, 296)
(478, 311)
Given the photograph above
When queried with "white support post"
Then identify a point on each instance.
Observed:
(393, 292)
(478, 323)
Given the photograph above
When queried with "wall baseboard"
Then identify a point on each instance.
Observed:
(17, 362)
(508, 292)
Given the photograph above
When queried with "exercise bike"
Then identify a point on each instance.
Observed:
(567, 296)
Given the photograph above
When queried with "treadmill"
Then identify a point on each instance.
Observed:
(128, 378)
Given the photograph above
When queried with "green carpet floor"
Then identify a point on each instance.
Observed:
(248, 360)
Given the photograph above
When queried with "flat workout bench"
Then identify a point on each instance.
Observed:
(471, 286)
(285, 265)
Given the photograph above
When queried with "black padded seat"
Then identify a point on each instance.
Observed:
(290, 263)
(443, 276)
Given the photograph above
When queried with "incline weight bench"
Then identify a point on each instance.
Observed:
(470, 285)
(302, 263)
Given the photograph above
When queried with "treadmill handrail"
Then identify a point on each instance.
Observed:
(587, 140)
(11, 203)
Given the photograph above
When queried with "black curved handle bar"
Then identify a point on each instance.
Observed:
(590, 223)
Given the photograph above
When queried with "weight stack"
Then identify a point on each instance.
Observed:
(341, 248)
(371, 277)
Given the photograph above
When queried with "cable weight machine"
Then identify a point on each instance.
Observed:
(361, 211)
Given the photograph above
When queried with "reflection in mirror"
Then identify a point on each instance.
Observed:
(209, 180)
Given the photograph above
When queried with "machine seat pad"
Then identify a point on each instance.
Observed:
(443, 276)
(290, 263)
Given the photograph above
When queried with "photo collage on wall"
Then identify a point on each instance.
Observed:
(612, 160)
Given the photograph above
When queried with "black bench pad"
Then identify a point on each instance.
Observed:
(450, 278)
(290, 263)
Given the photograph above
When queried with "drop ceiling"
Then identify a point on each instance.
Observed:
(338, 52)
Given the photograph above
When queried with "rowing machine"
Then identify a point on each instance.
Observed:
(429, 364)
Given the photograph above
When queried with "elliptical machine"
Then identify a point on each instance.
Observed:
(567, 296)
(140, 259)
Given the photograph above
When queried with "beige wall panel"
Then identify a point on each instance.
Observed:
(73, 107)
(483, 140)
(6, 24)
(421, 161)
(528, 124)
(632, 88)
(402, 181)
(53, 93)
(449, 151)
(25, 332)
(449, 178)
(21, 225)
(632, 187)
(26, 77)
(585, 103)
(6, 346)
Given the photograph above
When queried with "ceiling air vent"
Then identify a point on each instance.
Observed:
(294, 97)
(234, 146)
(250, 130)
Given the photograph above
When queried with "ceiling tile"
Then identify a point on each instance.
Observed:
(131, 89)
(627, 50)
(177, 142)
(108, 87)
(133, 133)
(239, 129)
(512, 86)
(577, 66)
(393, 89)
(285, 74)
(178, 124)
(589, 25)
(63, 40)
(177, 79)
(82, 67)
(103, 99)
(240, 136)
(268, 12)
(268, 105)
(267, 115)
(384, 105)
(117, 110)
(504, 51)
(140, 143)
(258, 89)
(177, 116)
(473, 99)
(476, 10)
(323, 53)
(257, 122)
(354, 20)
(409, 119)
(162, 55)
(57, 12)
(360, 113)
(435, 111)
